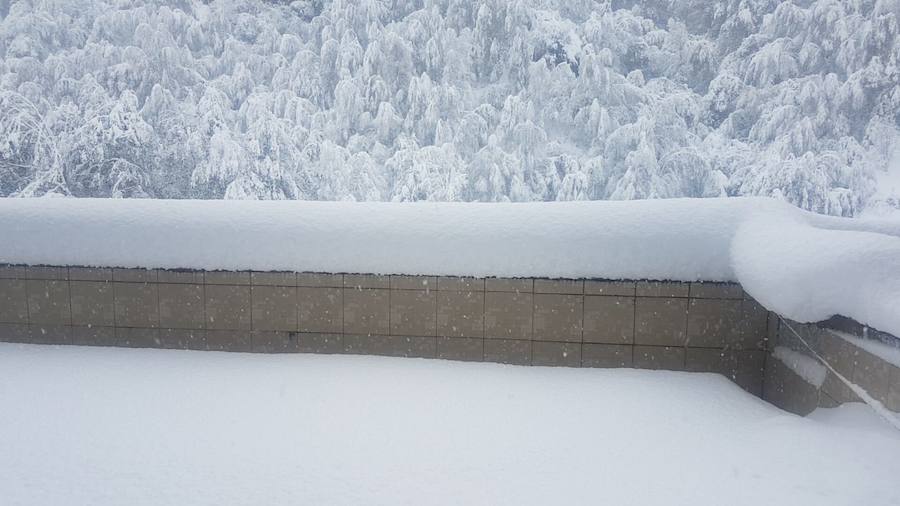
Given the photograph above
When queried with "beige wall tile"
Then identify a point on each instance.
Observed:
(313, 279)
(460, 314)
(660, 321)
(523, 285)
(836, 389)
(838, 353)
(508, 315)
(609, 320)
(411, 346)
(355, 344)
(181, 306)
(273, 278)
(715, 360)
(275, 308)
(606, 355)
(227, 277)
(320, 343)
(565, 286)
(507, 351)
(93, 303)
(13, 271)
(872, 373)
(367, 311)
(713, 323)
(135, 275)
(413, 312)
(136, 304)
(711, 290)
(615, 288)
(366, 281)
(13, 301)
(460, 284)
(669, 358)
(545, 353)
(228, 307)
(558, 317)
(14, 333)
(93, 336)
(785, 389)
(47, 333)
(662, 289)
(48, 302)
(90, 274)
(413, 283)
(460, 348)
(749, 370)
(187, 276)
(47, 272)
(274, 341)
(893, 399)
(754, 326)
(183, 339)
(138, 337)
(228, 340)
(321, 310)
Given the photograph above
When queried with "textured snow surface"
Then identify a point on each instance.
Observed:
(807, 267)
(805, 366)
(151, 427)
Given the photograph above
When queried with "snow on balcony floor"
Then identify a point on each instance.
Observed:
(117, 426)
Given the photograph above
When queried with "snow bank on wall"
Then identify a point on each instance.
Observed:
(809, 274)
(663, 239)
(805, 266)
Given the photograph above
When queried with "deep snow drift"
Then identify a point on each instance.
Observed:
(150, 427)
(807, 267)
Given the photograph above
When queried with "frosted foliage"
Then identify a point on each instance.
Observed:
(446, 100)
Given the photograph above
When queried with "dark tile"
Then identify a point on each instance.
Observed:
(606, 355)
(460, 348)
(545, 353)
(507, 351)
(48, 302)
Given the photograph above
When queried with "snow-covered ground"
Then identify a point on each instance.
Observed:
(150, 427)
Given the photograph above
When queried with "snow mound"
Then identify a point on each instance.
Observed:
(806, 267)
(809, 274)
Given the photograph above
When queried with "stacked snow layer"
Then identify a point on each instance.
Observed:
(806, 267)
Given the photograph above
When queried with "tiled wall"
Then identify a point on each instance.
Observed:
(788, 390)
(710, 327)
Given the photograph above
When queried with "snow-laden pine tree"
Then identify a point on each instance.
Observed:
(484, 100)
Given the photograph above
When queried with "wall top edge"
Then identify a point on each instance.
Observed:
(12, 268)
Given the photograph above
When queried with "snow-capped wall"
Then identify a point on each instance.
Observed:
(805, 266)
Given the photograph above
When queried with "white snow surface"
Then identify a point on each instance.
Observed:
(807, 267)
(106, 426)
(805, 366)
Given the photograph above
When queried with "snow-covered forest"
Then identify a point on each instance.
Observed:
(477, 100)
